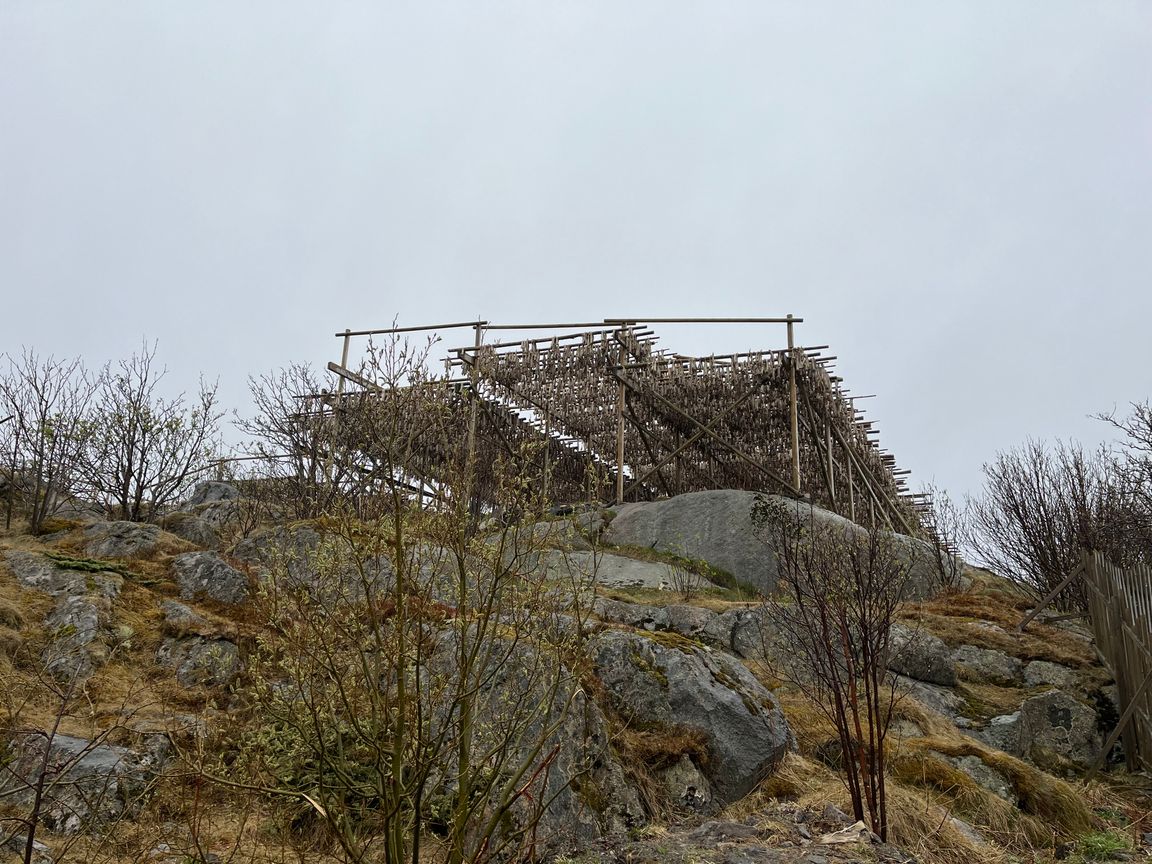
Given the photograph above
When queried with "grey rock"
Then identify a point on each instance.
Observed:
(1041, 672)
(206, 574)
(942, 700)
(685, 687)
(195, 529)
(18, 843)
(717, 527)
(1054, 723)
(920, 655)
(200, 661)
(221, 515)
(751, 634)
(988, 666)
(638, 615)
(299, 556)
(33, 570)
(180, 617)
(211, 491)
(76, 627)
(607, 570)
(986, 777)
(132, 540)
(95, 784)
(714, 526)
(1003, 733)
(687, 620)
(590, 522)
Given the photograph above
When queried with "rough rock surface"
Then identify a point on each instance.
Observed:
(681, 686)
(986, 777)
(302, 557)
(200, 661)
(942, 700)
(211, 491)
(714, 526)
(206, 574)
(1002, 732)
(193, 528)
(39, 572)
(987, 666)
(121, 540)
(1056, 728)
(614, 571)
(77, 627)
(1041, 672)
(101, 782)
(920, 655)
(717, 527)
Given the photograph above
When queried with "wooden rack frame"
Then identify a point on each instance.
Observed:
(661, 423)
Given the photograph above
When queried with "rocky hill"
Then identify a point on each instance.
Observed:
(143, 667)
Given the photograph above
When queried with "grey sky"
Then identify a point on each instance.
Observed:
(957, 196)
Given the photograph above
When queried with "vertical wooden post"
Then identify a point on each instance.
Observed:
(344, 359)
(547, 449)
(792, 406)
(473, 375)
(851, 489)
(328, 463)
(831, 464)
(620, 424)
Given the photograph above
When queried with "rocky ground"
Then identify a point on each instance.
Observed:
(712, 757)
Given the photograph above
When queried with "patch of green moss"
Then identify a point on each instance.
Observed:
(86, 565)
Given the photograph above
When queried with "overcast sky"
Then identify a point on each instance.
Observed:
(957, 196)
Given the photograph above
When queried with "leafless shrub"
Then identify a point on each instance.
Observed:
(406, 700)
(142, 451)
(1040, 505)
(43, 442)
(838, 592)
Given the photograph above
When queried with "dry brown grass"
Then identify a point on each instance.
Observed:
(962, 618)
(713, 599)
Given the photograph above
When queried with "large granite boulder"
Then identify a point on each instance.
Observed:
(210, 492)
(1058, 731)
(200, 661)
(193, 528)
(988, 666)
(718, 527)
(93, 785)
(920, 655)
(206, 574)
(677, 686)
(133, 540)
(714, 526)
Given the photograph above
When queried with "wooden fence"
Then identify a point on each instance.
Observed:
(1120, 606)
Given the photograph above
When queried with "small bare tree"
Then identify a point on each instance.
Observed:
(1040, 506)
(838, 591)
(141, 450)
(303, 464)
(46, 399)
(414, 672)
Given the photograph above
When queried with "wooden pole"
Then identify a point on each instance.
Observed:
(851, 489)
(473, 378)
(620, 426)
(792, 406)
(1076, 571)
(831, 466)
